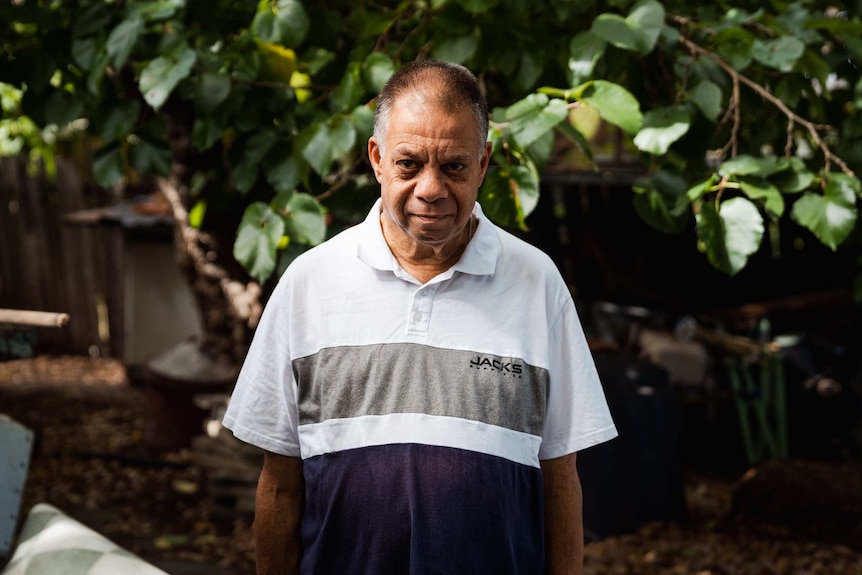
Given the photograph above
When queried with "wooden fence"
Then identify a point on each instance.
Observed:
(47, 264)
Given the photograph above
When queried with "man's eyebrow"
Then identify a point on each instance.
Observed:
(405, 153)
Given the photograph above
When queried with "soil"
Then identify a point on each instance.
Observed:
(91, 459)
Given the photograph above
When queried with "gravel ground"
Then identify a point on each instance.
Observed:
(90, 459)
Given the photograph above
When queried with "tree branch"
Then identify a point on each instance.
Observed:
(244, 299)
(810, 127)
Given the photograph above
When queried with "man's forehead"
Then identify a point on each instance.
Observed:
(418, 119)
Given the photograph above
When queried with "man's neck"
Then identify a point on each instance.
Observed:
(425, 262)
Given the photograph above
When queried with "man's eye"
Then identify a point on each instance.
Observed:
(457, 167)
(406, 164)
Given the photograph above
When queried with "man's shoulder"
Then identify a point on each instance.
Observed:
(520, 252)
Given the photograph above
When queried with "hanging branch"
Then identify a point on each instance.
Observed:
(792, 117)
(244, 300)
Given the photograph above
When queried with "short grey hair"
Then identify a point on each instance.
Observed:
(451, 84)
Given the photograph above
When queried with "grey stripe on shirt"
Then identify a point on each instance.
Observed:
(380, 379)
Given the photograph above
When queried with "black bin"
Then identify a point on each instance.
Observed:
(636, 478)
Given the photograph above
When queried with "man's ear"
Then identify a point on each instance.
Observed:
(375, 157)
(486, 159)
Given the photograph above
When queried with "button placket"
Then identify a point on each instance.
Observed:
(420, 309)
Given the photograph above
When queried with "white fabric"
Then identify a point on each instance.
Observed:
(504, 297)
(340, 434)
(55, 544)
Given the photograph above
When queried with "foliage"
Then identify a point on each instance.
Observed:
(736, 109)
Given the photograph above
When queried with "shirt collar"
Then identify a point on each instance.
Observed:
(479, 257)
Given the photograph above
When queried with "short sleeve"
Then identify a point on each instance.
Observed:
(262, 410)
(577, 414)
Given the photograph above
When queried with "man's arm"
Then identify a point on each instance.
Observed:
(277, 514)
(564, 527)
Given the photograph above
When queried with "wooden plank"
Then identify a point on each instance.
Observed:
(113, 287)
(33, 278)
(8, 253)
(33, 318)
(77, 256)
(13, 268)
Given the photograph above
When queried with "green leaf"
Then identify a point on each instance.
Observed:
(613, 29)
(661, 128)
(108, 165)
(277, 63)
(534, 116)
(585, 49)
(279, 202)
(539, 152)
(150, 158)
(734, 45)
(97, 72)
(122, 39)
(529, 70)
(256, 147)
(614, 104)
(257, 239)
(731, 236)
(660, 200)
(832, 216)
(477, 6)
(120, 119)
(205, 133)
(328, 142)
(843, 185)
(698, 190)
(92, 20)
(161, 75)
(197, 214)
(318, 151)
(362, 118)
(526, 183)
(759, 189)
(497, 200)
(85, 51)
(790, 89)
(795, 179)
(780, 53)
(458, 49)
(212, 89)
(349, 90)
(706, 95)
(576, 137)
(62, 108)
(155, 10)
(746, 165)
(280, 167)
(306, 222)
(376, 70)
(284, 22)
(646, 21)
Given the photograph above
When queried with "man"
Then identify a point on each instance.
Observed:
(420, 382)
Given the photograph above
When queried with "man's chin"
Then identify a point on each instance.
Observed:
(430, 238)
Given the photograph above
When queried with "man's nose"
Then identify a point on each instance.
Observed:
(430, 185)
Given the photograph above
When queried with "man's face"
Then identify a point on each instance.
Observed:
(429, 172)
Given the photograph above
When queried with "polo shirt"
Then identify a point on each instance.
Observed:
(420, 411)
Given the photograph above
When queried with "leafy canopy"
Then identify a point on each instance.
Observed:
(736, 109)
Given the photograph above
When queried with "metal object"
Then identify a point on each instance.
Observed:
(16, 442)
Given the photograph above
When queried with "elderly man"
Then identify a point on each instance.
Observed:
(421, 382)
